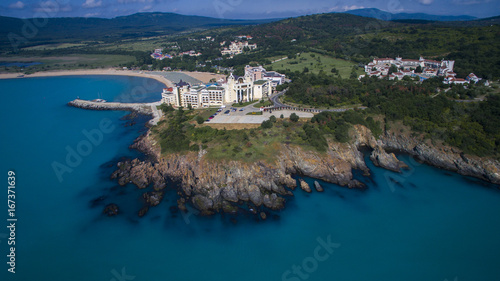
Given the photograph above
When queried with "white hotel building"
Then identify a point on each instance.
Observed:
(255, 85)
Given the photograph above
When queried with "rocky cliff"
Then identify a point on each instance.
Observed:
(448, 158)
(228, 186)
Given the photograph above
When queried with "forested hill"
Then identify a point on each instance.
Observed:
(474, 45)
(378, 14)
(60, 30)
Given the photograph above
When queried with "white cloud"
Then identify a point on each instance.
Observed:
(425, 2)
(135, 1)
(51, 8)
(17, 5)
(146, 8)
(90, 15)
(353, 7)
(92, 4)
(344, 8)
(470, 2)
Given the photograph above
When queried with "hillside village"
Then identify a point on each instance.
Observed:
(231, 49)
(256, 84)
(421, 68)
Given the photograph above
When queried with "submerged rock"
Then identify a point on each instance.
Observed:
(143, 211)
(318, 186)
(111, 210)
(153, 198)
(228, 208)
(263, 215)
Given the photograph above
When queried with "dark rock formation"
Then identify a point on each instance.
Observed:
(263, 215)
(386, 160)
(318, 186)
(153, 198)
(111, 210)
(445, 157)
(215, 186)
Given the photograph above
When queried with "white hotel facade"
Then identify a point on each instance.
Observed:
(255, 85)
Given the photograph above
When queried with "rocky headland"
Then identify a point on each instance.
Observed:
(231, 186)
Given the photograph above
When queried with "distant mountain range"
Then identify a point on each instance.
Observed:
(382, 15)
(101, 29)
(78, 29)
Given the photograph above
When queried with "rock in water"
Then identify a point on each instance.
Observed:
(305, 186)
(385, 160)
(111, 210)
(143, 211)
(263, 215)
(203, 204)
(318, 186)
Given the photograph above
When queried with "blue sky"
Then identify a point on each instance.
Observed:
(240, 9)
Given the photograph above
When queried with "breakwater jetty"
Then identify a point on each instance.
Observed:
(141, 108)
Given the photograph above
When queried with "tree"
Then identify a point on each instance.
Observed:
(294, 117)
(199, 120)
(272, 118)
(282, 116)
(419, 69)
(353, 75)
(267, 124)
(393, 69)
(190, 107)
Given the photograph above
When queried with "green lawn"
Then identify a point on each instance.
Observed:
(205, 113)
(260, 104)
(315, 62)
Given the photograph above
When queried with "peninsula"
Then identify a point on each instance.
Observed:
(239, 167)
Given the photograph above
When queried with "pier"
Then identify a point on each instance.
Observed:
(141, 108)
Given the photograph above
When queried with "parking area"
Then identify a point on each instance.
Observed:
(239, 115)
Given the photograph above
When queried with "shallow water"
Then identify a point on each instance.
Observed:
(424, 224)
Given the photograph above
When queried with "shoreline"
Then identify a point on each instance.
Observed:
(84, 72)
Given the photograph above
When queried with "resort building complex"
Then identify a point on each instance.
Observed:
(409, 67)
(236, 48)
(255, 85)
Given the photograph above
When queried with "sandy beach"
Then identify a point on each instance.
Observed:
(204, 77)
(110, 71)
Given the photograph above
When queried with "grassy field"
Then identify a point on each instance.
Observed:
(66, 62)
(53, 46)
(315, 62)
(140, 44)
(256, 144)
(261, 104)
(242, 142)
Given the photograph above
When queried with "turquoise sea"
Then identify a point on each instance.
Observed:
(424, 224)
